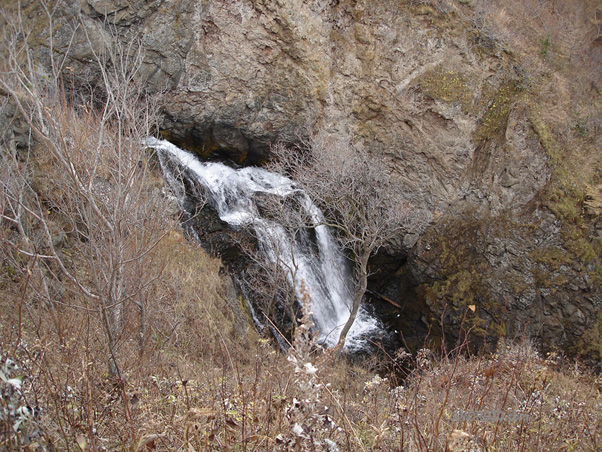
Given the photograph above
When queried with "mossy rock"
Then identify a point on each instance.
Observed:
(447, 86)
(590, 345)
(567, 197)
(499, 106)
(552, 258)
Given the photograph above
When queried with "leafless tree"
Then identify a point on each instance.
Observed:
(358, 197)
(90, 218)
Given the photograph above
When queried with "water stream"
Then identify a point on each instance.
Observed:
(308, 255)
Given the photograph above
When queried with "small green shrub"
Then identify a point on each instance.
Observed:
(546, 45)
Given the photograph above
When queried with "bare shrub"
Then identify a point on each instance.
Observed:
(82, 204)
(358, 197)
(310, 423)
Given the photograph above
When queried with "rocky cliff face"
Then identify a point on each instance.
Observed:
(442, 104)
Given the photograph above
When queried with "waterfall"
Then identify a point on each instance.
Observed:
(313, 254)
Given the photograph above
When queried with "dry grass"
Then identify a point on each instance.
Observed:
(190, 333)
(543, 406)
(204, 389)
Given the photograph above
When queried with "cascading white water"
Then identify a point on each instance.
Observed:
(319, 263)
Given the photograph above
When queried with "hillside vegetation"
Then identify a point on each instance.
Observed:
(118, 333)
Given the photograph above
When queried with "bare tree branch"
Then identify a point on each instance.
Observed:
(358, 197)
(96, 189)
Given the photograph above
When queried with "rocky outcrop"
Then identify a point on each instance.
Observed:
(408, 83)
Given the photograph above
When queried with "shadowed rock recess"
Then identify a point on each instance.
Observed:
(412, 87)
